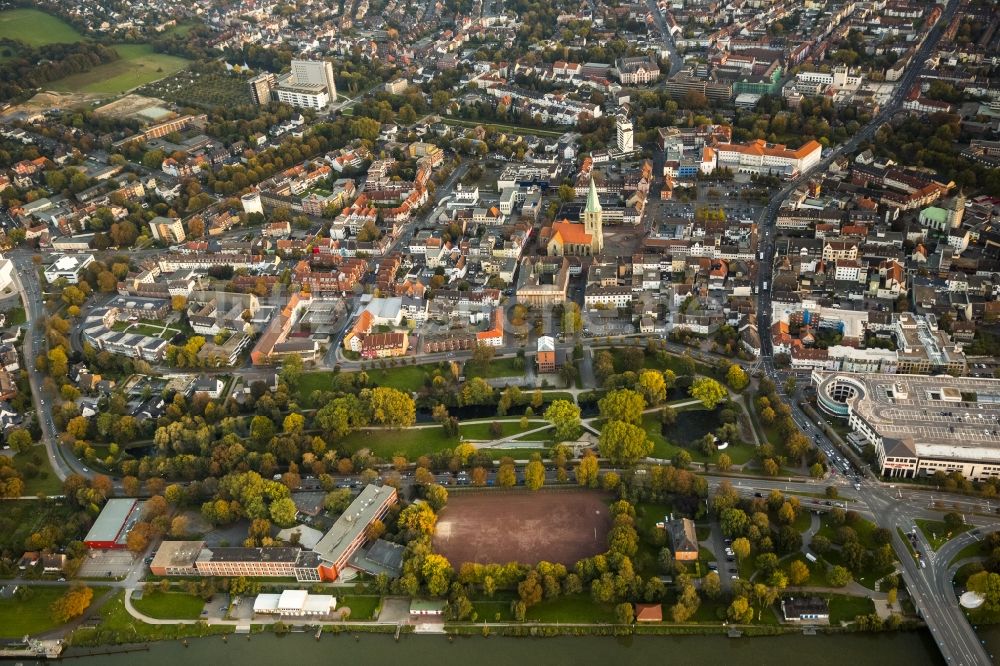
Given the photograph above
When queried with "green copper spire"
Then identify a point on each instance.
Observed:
(593, 203)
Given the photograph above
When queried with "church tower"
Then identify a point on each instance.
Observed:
(956, 211)
(593, 220)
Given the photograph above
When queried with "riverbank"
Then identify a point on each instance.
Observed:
(896, 649)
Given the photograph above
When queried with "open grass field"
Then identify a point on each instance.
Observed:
(481, 431)
(20, 618)
(498, 367)
(405, 378)
(36, 28)
(412, 442)
(937, 533)
(691, 425)
(845, 609)
(572, 608)
(560, 526)
(170, 605)
(158, 331)
(37, 472)
(974, 549)
(116, 626)
(138, 66)
(362, 607)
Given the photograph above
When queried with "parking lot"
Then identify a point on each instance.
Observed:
(106, 564)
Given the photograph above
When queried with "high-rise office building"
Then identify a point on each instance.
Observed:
(315, 72)
(261, 87)
(624, 131)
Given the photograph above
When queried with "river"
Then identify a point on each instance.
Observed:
(890, 649)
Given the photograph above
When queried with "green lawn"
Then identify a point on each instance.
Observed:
(573, 608)
(498, 367)
(145, 329)
(180, 29)
(937, 533)
(405, 378)
(543, 435)
(362, 607)
(974, 549)
(37, 472)
(481, 431)
(170, 605)
(138, 65)
(116, 626)
(865, 530)
(492, 611)
(412, 442)
(16, 316)
(647, 514)
(36, 28)
(20, 618)
(520, 454)
(739, 454)
(803, 520)
(845, 609)
(817, 570)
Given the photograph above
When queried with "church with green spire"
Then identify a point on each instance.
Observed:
(573, 239)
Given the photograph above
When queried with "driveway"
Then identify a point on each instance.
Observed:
(717, 544)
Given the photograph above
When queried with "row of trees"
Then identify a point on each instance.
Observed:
(32, 67)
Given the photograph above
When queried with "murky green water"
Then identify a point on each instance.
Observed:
(903, 649)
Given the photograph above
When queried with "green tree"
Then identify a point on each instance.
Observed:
(58, 363)
(389, 406)
(436, 495)
(737, 377)
(418, 519)
(708, 391)
(622, 405)
(953, 520)
(261, 430)
(838, 576)
(437, 573)
(624, 443)
(73, 603)
(565, 417)
(506, 475)
(19, 440)
(624, 613)
(739, 610)
(587, 471)
(652, 386)
(291, 371)
(534, 475)
(711, 585)
(283, 512)
(294, 423)
(741, 548)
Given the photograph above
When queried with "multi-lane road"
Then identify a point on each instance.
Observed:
(27, 283)
(930, 585)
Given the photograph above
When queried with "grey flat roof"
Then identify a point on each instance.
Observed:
(930, 410)
(363, 510)
(112, 518)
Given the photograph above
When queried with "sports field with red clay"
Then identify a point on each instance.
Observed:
(526, 527)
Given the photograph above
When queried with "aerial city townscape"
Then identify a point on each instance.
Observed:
(662, 329)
